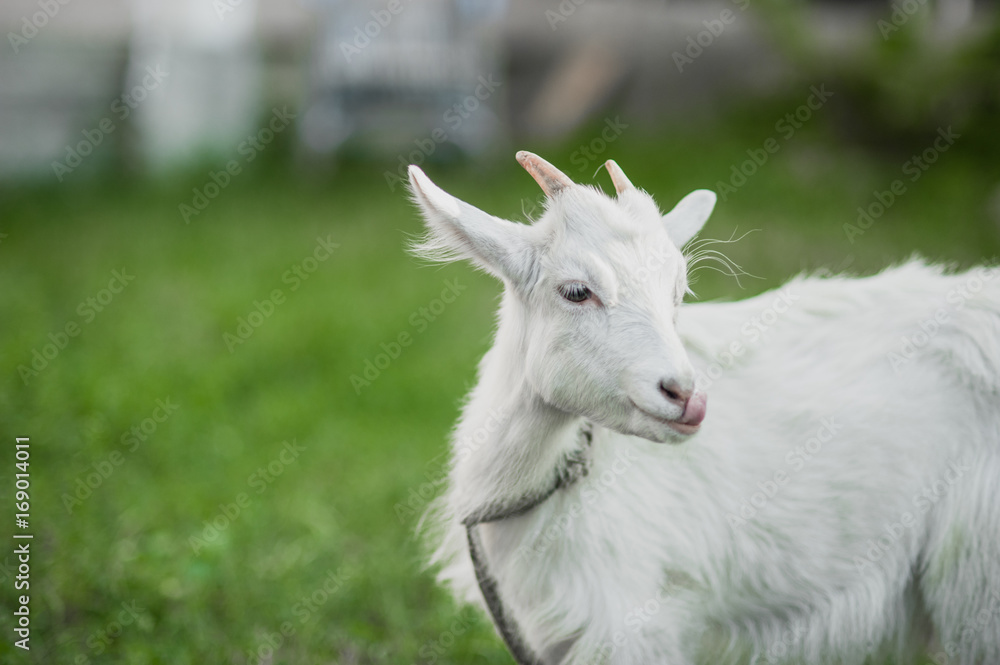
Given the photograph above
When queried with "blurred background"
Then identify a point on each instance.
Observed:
(238, 387)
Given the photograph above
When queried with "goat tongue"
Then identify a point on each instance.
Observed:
(694, 410)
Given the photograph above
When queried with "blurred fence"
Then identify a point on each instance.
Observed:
(157, 86)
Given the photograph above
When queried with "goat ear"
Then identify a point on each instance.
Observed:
(457, 230)
(688, 216)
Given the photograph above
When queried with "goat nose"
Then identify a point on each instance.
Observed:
(692, 403)
(675, 394)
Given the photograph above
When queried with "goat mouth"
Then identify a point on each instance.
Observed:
(683, 428)
(680, 427)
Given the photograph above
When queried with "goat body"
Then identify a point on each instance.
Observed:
(837, 504)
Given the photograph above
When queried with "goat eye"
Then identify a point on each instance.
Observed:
(574, 292)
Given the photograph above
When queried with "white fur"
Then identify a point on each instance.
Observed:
(890, 525)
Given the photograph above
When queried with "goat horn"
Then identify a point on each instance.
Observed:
(549, 178)
(618, 177)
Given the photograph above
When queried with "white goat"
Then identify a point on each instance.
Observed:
(840, 499)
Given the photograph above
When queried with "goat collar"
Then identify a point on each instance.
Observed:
(573, 466)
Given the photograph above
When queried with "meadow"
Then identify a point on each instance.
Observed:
(236, 420)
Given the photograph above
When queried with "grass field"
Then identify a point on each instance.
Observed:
(206, 491)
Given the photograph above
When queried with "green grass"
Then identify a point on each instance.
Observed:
(333, 509)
